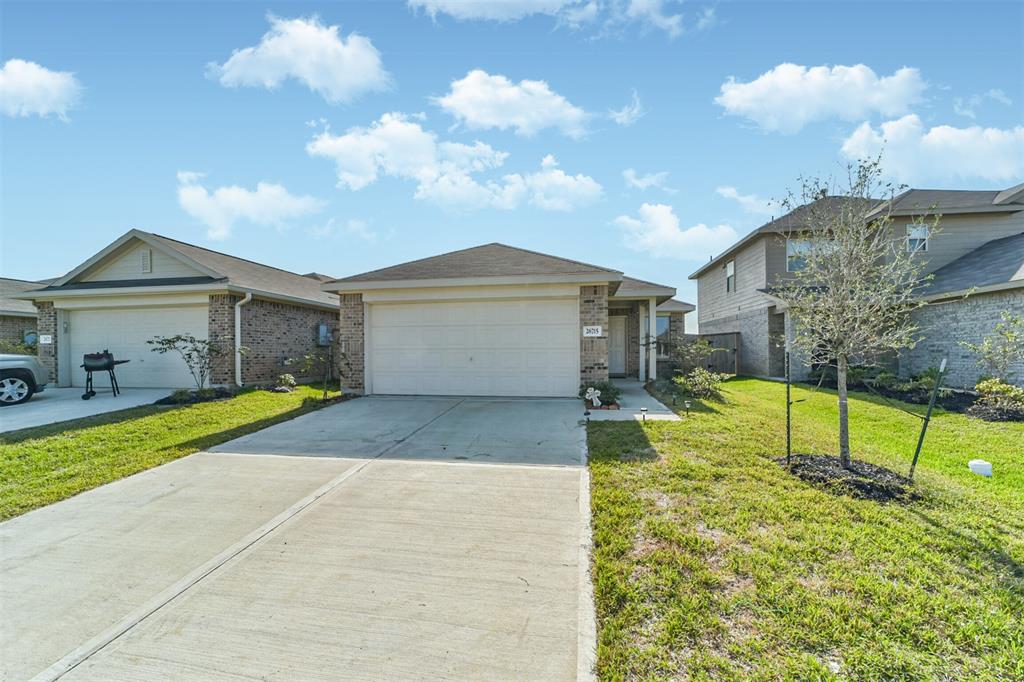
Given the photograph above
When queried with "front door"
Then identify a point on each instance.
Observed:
(617, 345)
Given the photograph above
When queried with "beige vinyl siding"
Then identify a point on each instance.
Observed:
(126, 263)
(713, 302)
(961, 234)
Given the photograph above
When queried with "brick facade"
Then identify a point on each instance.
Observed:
(676, 335)
(594, 351)
(13, 327)
(47, 324)
(945, 324)
(351, 338)
(755, 338)
(272, 331)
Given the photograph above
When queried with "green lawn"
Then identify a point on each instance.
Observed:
(712, 562)
(42, 465)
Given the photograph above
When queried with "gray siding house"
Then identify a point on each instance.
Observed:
(976, 258)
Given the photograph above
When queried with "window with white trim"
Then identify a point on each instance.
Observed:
(795, 254)
(662, 334)
(917, 237)
(730, 276)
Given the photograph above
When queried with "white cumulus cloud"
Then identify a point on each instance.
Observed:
(751, 203)
(493, 10)
(646, 181)
(652, 13)
(446, 173)
(219, 210)
(968, 107)
(916, 155)
(481, 101)
(336, 67)
(28, 89)
(629, 114)
(789, 96)
(655, 230)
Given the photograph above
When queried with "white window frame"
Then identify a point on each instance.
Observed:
(791, 252)
(660, 351)
(730, 277)
(915, 242)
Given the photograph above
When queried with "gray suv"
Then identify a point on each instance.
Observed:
(20, 377)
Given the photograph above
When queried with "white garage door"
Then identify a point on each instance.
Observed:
(493, 348)
(124, 331)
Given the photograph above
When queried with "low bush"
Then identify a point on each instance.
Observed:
(701, 383)
(998, 401)
(286, 381)
(610, 393)
(16, 348)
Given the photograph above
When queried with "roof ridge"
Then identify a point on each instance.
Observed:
(221, 253)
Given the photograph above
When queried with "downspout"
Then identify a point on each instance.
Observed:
(238, 337)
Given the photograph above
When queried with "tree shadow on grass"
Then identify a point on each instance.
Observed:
(104, 419)
(619, 442)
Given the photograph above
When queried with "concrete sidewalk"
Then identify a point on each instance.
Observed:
(61, 404)
(634, 397)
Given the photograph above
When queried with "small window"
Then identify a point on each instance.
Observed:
(796, 250)
(730, 276)
(661, 329)
(917, 238)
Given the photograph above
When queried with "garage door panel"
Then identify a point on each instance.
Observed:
(524, 347)
(124, 332)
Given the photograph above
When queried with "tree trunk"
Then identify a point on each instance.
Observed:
(844, 414)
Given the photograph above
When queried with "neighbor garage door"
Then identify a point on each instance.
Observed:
(490, 348)
(124, 331)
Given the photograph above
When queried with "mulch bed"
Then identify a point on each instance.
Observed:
(990, 413)
(207, 395)
(603, 406)
(951, 401)
(864, 481)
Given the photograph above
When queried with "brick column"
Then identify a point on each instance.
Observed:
(351, 337)
(47, 324)
(594, 351)
(222, 330)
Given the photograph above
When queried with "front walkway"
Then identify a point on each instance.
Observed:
(634, 398)
(60, 404)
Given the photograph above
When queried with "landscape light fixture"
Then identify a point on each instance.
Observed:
(686, 404)
(643, 413)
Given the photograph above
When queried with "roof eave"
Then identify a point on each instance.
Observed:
(582, 279)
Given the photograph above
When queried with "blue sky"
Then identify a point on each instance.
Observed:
(370, 150)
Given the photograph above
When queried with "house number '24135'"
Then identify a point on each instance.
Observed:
(592, 331)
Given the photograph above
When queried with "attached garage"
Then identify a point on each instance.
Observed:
(524, 347)
(124, 332)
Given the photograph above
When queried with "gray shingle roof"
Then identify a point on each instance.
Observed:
(948, 201)
(11, 306)
(797, 220)
(996, 262)
(489, 260)
(251, 275)
(631, 286)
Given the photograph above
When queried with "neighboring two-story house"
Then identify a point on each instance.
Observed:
(976, 258)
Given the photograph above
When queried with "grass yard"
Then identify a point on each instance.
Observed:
(712, 562)
(42, 465)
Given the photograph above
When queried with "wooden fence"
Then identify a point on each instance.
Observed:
(726, 358)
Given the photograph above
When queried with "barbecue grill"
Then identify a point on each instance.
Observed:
(100, 362)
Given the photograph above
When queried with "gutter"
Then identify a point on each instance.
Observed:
(238, 337)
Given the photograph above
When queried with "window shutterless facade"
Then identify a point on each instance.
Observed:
(917, 238)
(795, 250)
(730, 276)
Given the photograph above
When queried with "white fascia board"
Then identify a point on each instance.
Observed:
(480, 293)
(966, 293)
(41, 295)
(17, 313)
(588, 279)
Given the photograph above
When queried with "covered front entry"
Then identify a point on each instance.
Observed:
(124, 332)
(519, 347)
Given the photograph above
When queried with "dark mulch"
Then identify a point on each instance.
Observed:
(991, 413)
(205, 395)
(951, 401)
(864, 481)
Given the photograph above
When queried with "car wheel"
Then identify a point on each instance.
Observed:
(14, 390)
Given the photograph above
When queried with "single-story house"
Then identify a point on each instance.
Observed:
(17, 316)
(496, 320)
(145, 285)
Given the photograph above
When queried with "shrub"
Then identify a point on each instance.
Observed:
(701, 383)
(16, 348)
(998, 401)
(286, 381)
(610, 393)
(1002, 349)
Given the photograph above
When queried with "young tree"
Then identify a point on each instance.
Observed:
(858, 279)
(1002, 349)
(198, 354)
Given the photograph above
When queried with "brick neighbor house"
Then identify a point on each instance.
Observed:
(143, 285)
(976, 258)
(17, 316)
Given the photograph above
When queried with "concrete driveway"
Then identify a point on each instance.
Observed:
(376, 539)
(60, 404)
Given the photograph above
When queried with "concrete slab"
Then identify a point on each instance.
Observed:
(634, 398)
(510, 430)
(61, 404)
(406, 570)
(72, 570)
